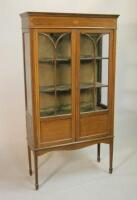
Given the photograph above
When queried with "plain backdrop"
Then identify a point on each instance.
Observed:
(14, 179)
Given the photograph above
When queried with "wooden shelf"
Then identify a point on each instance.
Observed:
(66, 60)
(52, 60)
(89, 58)
(92, 85)
(63, 88)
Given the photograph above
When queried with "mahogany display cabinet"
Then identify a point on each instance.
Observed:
(69, 68)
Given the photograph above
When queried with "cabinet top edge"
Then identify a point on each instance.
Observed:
(27, 14)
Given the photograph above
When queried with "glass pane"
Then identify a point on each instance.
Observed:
(102, 98)
(55, 73)
(86, 100)
(102, 71)
(105, 45)
(94, 59)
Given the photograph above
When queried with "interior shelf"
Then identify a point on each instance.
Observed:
(88, 58)
(64, 60)
(52, 60)
(92, 85)
(61, 88)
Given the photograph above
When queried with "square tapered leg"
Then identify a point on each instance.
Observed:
(98, 152)
(29, 158)
(111, 157)
(36, 170)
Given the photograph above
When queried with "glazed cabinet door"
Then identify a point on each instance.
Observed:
(56, 87)
(94, 84)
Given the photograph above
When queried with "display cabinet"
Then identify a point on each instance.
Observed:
(69, 68)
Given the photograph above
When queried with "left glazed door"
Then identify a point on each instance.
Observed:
(56, 87)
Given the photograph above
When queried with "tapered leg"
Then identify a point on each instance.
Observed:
(36, 170)
(30, 165)
(111, 157)
(98, 152)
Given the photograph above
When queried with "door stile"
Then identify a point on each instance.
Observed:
(112, 78)
(73, 80)
(35, 84)
(77, 75)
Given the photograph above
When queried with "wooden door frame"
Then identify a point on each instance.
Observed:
(35, 82)
(111, 81)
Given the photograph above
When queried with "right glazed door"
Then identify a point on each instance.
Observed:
(94, 84)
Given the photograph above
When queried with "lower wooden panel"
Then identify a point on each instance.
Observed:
(55, 130)
(94, 125)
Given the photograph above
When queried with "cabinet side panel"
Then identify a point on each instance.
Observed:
(28, 87)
